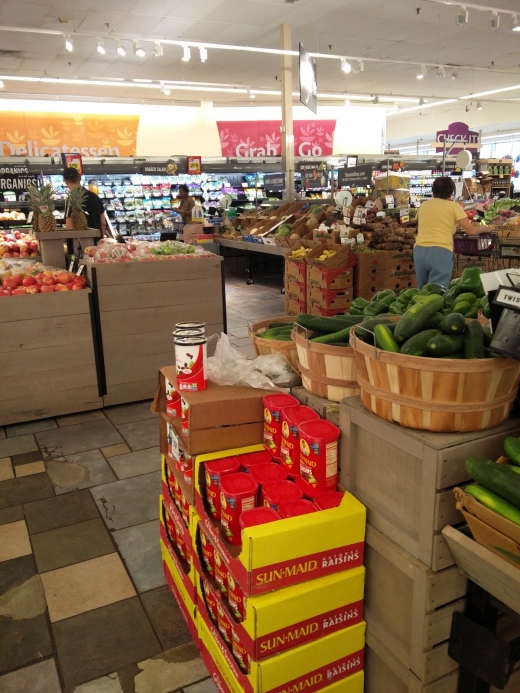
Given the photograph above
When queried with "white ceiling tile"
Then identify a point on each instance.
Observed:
(171, 27)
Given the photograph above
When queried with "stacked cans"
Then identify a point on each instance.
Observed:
(190, 356)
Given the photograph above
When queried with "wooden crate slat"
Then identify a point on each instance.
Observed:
(48, 305)
(54, 403)
(37, 385)
(127, 273)
(47, 359)
(131, 392)
(446, 512)
(120, 371)
(45, 332)
(156, 294)
(120, 346)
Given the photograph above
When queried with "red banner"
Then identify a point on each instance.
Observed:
(263, 138)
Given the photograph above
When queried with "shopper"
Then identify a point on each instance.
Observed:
(437, 221)
(187, 204)
(93, 207)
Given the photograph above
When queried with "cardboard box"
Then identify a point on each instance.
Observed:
(294, 306)
(296, 290)
(330, 299)
(336, 659)
(398, 281)
(288, 618)
(296, 268)
(219, 417)
(399, 260)
(316, 309)
(401, 195)
(392, 181)
(176, 584)
(369, 263)
(185, 570)
(328, 277)
(298, 550)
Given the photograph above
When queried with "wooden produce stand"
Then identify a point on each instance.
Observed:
(137, 305)
(48, 356)
(51, 244)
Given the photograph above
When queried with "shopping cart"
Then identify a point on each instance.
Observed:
(482, 245)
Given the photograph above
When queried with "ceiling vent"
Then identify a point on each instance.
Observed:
(10, 54)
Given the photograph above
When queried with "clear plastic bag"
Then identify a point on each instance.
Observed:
(230, 367)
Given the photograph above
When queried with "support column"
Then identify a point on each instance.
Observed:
(287, 111)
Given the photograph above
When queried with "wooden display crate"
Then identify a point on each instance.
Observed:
(48, 356)
(324, 407)
(138, 304)
(405, 476)
(409, 607)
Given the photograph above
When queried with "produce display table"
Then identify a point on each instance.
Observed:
(51, 244)
(252, 249)
(137, 305)
(48, 356)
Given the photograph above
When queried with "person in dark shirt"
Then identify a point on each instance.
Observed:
(93, 207)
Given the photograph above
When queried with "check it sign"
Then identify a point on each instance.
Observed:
(459, 137)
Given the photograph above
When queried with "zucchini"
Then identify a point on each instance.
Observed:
(416, 317)
(453, 323)
(365, 331)
(445, 345)
(493, 502)
(327, 325)
(340, 336)
(385, 339)
(474, 340)
(497, 478)
(512, 450)
(434, 322)
(416, 345)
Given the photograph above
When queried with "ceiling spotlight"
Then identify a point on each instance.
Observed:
(251, 96)
(347, 103)
(1, 84)
(158, 49)
(120, 49)
(375, 99)
(463, 16)
(422, 73)
(422, 102)
(203, 54)
(69, 46)
(186, 54)
(165, 90)
(516, 23)
(346, 66)
(479, 106)
(101, 47)
(455, 74)
(138, 50)
(495, 20)
(361, 66)
(396, 108)
(441, 72)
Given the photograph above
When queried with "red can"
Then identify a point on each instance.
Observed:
(211, 599)
(267, 474)
(273, 405)
(328, 500)
(224, 623)
(238, 492)
(296, 508)
(290, 445)
(181, 544)
(185, 417)
(179, 496)
(171, 530)
(214, 472)
(190, 361)
(188, 476)
(280, 492)
(185, 511)
(258, 516)
(239, 652)
(208, 554)
(173, 400)
(318, 457)
(251, 459)
(221, 573)
(236, 599)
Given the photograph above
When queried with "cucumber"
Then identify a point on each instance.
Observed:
(493, 502)
(341, 344)
(434, 321)
(416, 345)
(512, 450)
(419, 298)
(340, 336)
(365, 331)
(268, 334)
(416, 317)
(445, 345)
(453, 323)
(488, 336)
(385, 339)
(474, 340)
(497, 478)
(460, 355)
(327, 325)
(276, 325)
(280, 337)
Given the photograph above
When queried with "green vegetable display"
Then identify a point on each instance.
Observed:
(385, 339)
(365, 331)
(416, 317)
(494, 502)
(416, 345)
(453, 323)
(444, 345)
(501, 479)
(512, 450)
(474, 340)
(327, 325)
(375, 308)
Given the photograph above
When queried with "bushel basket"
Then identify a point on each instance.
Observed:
(264, 347)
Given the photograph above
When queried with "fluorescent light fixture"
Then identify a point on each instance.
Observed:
(1, 84)
(250, 94)
(142, 81)
(69, 46)
(101, 46)
(463, 16)
(165, 90)
(203, 54)
(186, 54)
(138, 50)
(347, 103)
(120, 49)
(487, 93)
(346, 66)
(455, 74)
(495, 20)
(516, 23)
(158, 49)
(479, 106)
(428, 105)
(361, 66)
(422, 73)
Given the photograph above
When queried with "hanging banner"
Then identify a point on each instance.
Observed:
(261, 138)
(16, 178)
(355, 176)
(274, 182)
(314, 174)
(73, 161)
(457, 134)
(195, 165)
(308, 81)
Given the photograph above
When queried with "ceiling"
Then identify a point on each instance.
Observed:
(402, 30)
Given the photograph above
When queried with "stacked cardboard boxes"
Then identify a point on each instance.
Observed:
(330, 280)
(383, 269)
(283, 611)
(296, 277)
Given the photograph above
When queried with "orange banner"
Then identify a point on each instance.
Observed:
(52, 134)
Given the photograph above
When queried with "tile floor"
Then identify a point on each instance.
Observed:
(84, 607)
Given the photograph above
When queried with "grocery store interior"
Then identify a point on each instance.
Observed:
(264, 437)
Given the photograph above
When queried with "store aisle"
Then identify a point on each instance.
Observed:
(84, 607)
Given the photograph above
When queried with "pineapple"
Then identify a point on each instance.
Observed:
(46, 219)
(77, 198)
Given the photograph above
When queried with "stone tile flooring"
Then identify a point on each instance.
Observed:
(84, 606)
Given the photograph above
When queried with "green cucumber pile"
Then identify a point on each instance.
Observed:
(497, 486)
(277, 331)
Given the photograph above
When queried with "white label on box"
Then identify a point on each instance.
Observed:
(359, 216)
(389, 201)
(29, 217)
(404, 214)
(80, 270)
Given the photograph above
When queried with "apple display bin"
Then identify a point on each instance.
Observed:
(137, 305)
(49, 355)
(52, 244)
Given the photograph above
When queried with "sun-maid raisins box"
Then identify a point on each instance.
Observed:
(288, 618)
(181, 553)
(181, 595)
(289, 551)
(332, 664)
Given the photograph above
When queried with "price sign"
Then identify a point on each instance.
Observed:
(404, 214)
(509, 298)
(359, 216)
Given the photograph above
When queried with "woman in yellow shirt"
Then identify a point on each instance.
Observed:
(438, 219)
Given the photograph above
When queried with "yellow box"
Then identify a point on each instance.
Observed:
(334, 663)
(284, 619)
(292, 550)
(182, 597)
(185, 566)
(392, 181)
(168, 469)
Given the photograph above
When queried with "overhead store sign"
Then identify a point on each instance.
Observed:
(355, 176)
(16, 178)
(274, 182)
(314, 174)
(458, 134)
(54, 134)
(261, 138)
(308, 81)
(166, 168)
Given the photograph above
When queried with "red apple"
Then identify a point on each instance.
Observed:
(48, 281)
(60, 287)
(62, 277)
(6, 255)
(69, 285)
(40, 276)
(25, 255)
(10, 283)
(23, 247)
(33, 254)
(46, 288)
(4, 292)
(80, 280)
(77, 287)
(19, 291)
(29, 281)
(15, 254)
(35, 289)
